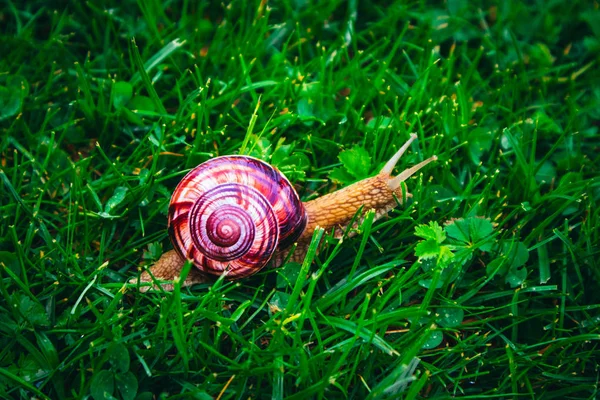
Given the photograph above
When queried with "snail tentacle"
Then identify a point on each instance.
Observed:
(394, 183)
(389, 166)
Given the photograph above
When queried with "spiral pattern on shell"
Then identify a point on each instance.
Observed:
(231, 213)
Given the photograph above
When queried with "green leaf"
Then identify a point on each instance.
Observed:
(592, 17)
(516, 253)
(480, 142)
(428, 264)
(450, 317)
(12, 94)
(127, 384)
(434, 339)
(540, 54)
(431, 248)
(356, 161)
(340, 175)
(545, 124)
(102, 385)
(516, 276)
(315, 104)
(33, 311)
(468, 235)
(381, 123)
(446, 255)
(118, 356)
(27, 368)
(9, 260)
(288, 274)
(279, 301)
(204, 28)
(457, 6)
(305, 109)
(449, 270)
(141, 103)
(292, 164)
(496, 266)
(117, 198)
(137, 107)
(153, 252)
(281, 154)
(427, 249)
(512, 255)
(469, 231)
(592, 44)
(259, 147)
(517, 256)
(432, 231)
(122, 93)
(570, 178)
(546, 173)
(9, 103)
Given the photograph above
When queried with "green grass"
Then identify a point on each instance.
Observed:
(103, 108)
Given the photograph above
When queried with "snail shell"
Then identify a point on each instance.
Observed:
(232, 213)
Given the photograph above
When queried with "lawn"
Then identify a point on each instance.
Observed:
(484, 283)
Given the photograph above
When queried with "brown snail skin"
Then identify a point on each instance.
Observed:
(234, 215)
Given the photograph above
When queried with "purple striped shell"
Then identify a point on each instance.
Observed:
(231, 213)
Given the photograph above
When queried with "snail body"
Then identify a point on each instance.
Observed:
(234, 215)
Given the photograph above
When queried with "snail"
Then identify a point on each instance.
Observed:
(234, 215)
